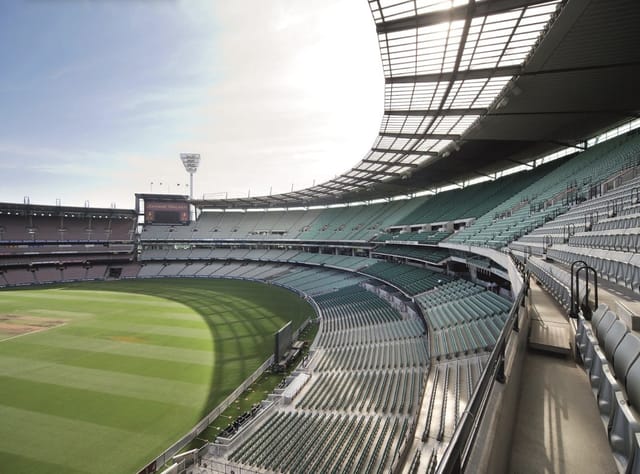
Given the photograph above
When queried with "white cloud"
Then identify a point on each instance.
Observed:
(279, 92)
(300, 100)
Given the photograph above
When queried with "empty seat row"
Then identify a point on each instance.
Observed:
(555, 280)
(415, 252)
(622, 268)
(623, 221)
(627, 240)
(611, 357)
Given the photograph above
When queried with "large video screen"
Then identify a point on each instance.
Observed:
(166, 212)
(284, 339)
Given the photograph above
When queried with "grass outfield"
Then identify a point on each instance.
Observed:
(118, 371)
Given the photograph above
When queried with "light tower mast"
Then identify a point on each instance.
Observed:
(190, 162)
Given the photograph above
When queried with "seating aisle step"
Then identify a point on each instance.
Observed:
(550, 337)
(550, 330)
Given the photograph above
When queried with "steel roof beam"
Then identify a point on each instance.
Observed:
(623, 112)
(469, 11)
(356, 184)
(367, 179)
(383, 173)
(402, 152)
(311, 192)
(318, 194)
(435, 136)
(404, 165)
(458, 76)
(445, 112)
(330, 188)
(453, 14)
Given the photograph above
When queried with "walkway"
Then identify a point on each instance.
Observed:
(558, 428)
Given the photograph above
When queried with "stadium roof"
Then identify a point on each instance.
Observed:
(60, 210)
(476, 87)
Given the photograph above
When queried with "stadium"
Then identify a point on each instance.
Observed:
(465, 298)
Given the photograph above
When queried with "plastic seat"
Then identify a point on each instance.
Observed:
(622, 434)
(604, 325)
(595, 371)
(609, 386)
(598, 314)
(632, 384)
(584, 329)
(613, 338)
(635, 465)
(625, 355)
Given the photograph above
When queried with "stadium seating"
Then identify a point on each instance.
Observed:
(606, 222)
(465, 318)
(411, 280)
(355, 413)
(414, 252)
(316, 281)
(47, 228)
(352, 223)
(581, 234)
(472, 201)
(611, 355)
(548, 197)
(449, 388)
(422, 237)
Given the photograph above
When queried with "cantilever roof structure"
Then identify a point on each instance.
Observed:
(474, 87)
(59, 210)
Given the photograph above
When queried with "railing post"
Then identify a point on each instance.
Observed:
(573, 309)
(586, 309)
(501, 377)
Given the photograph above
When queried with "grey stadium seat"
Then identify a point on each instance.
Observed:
(598, 314)
(614, 336)
(584, 330)
(604, 325)
(626, 354)
(635, 467)
(609, 386)
(622, 434)
(633, 384)
(595, 371)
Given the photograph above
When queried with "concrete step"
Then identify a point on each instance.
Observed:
(550, 336)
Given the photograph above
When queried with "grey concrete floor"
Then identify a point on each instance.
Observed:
(558, 428)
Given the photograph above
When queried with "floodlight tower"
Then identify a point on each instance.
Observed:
(190, 162)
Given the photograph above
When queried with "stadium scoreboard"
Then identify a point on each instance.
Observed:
(283, 340)
(166, 212)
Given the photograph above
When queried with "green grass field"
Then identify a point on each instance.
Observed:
(120, 370)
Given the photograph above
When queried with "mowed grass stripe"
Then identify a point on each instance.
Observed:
(115, 383)
(86, 293)
(145, 329)
(92, 406)
(165, 369)
(169, 320)
(125, 335)
(28, 464)
(78, 445)
(109, 346)
(135, 305)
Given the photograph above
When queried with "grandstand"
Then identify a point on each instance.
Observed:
(45, 244)
(439, 296)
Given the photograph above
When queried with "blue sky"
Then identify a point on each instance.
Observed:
(99, 97)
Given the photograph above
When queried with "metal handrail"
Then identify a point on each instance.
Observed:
(548, 242)
(573, 305)
(586, 310)
(457, 453)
